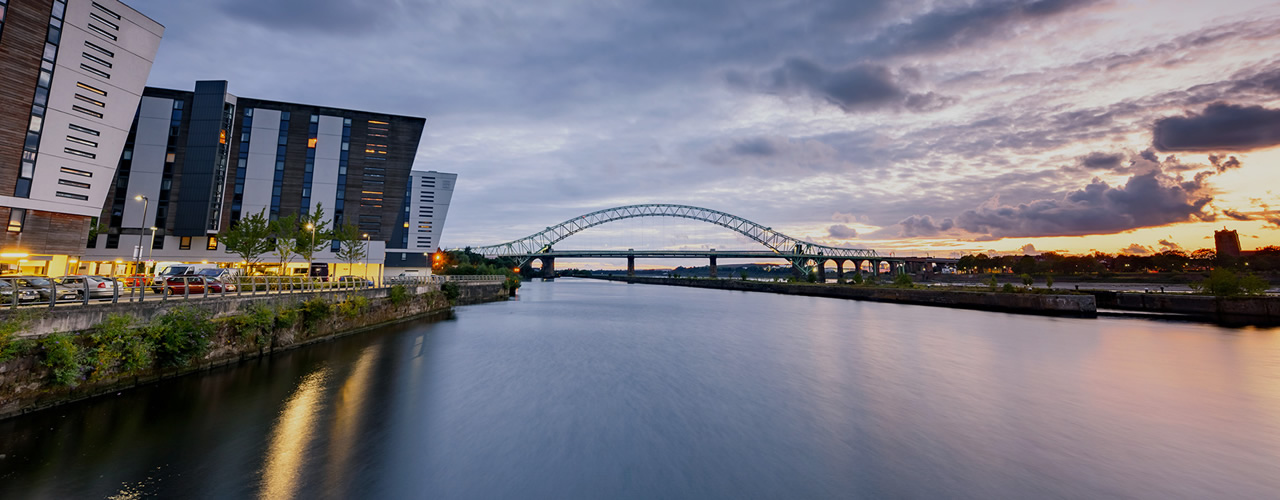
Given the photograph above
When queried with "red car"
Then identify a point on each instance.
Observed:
(196, 285)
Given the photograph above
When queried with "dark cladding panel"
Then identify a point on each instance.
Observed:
(191, 212)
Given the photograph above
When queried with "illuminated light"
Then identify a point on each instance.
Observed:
(376, 122)
(204, 262)
(222, 136)
(73, 261)
(311, 143)
(138, 197)
(406, 224)
(310, 227)
(14, 255)
(119, 261)
(22, 260)
(516, 269)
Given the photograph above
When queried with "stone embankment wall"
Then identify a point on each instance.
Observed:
(1027, 303)
(28, 381)
(1264, 309)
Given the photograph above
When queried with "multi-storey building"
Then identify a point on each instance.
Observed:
(195, 163)
(421, 223)
(71, 73)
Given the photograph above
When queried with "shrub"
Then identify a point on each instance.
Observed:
(255, 323)
(903, 280)
(1009, 288)
(857, 279)
(353, 306)
(1223, 282)
(451, 291)
(1026, 279)
(1048, 281)
(10, 346)
(180, 335)
(62, 355)
(992, 282)
(107, 342)
(287, 317)
(314, 310)
(398, 294)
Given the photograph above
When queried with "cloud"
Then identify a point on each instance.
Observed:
(1136, 249)
(1102, 161)
(948, 29)
(1166, 246)
(923, 225)
(1232, 214)
(1030, 249)
(1220, 126)
(1223, 165)
(1146, 200)
(319, 16)
(861, 87)
(842, 232)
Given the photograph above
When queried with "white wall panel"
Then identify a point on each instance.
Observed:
(149, 149)
(260, 168)
(324, 177)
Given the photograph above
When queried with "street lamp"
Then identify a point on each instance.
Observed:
(366, 255)
(311, 251)
(153, 244)
(146, 202)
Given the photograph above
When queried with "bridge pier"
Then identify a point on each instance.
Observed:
(548, 268)
(840, 271)
(631, 266)
(821, 268)
(714, 273)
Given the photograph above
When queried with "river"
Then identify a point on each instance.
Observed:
(587, 389)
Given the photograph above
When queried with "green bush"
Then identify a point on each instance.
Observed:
(903, 280)
(856, 279)
(398, 294)
(451, 291)
(314, 310)
(255, 323)
(1026, 279)
(1223, 282)
(180, 336)
(62, 355)
(107, 342)
(1009, 288)
(353, 306)
(10, 345)
(287, 317)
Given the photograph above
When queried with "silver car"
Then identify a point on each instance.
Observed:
(100, 287)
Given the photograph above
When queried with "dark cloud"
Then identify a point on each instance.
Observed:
(756, 146)
(1166, 245)
(861, 87)
(842, 232)
(1221, 126)
(1147, 200)
(1136, 249)
(1236, 215)
(333, 17)
(1102, 161)
(923, 225)
(951, 28)
(1224, 164)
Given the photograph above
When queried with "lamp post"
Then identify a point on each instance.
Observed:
(311, 251)
(146, 202)
(366, 255)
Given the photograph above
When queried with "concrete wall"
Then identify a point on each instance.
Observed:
(1243, 308)
(1058, 305)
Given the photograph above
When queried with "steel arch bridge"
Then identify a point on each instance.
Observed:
(786, 246)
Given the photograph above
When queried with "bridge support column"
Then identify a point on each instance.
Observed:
(821, 268)
(875, 269)
(713, 267)
(795, 270)
(548, 268)
(840, 271)
(631, 266)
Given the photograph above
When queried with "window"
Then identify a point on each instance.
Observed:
(96, 59)
(84, 130)
(95, 71)
(170, 157)
(213, 243)
(106, 11)
(100, 50)
(91, 100)
(76, 171)
(82, 142)
(72, 196)
(16, 217)
(91, 88)
(96, 17)
(184, 243)
(102, 32)
(79, 153)
(87, 111)
(80, 185)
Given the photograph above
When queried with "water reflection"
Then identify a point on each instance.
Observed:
(292, 436)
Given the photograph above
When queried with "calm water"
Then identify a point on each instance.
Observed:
(584, 389)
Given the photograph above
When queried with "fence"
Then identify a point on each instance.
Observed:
(27, 292)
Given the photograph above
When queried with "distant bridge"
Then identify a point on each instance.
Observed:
(803, 255)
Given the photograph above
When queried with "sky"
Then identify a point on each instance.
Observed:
(913, 127)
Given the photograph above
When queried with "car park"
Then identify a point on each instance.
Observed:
(24, 294)
(45, 288)
(196, 285)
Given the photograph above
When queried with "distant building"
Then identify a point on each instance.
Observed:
(71, 75)
(421, 223)
(203, 160)
(1227, 242)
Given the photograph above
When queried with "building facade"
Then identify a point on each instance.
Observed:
(196, 162)
(421, 223)
(71, 76)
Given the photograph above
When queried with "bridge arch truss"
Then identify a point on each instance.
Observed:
(542, 241)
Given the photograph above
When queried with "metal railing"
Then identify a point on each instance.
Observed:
(13, 295)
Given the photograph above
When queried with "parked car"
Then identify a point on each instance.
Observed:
(171, 270)
(24, 294)
(354, 282)
(224, 274)
(196, 285)
(100, 287)
(45, 288)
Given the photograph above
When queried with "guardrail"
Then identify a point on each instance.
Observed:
(13, 296)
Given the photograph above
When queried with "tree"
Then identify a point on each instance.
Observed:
(285, 230)
(350, 244)
(1225, 283)
(248, 238)
(308, 243)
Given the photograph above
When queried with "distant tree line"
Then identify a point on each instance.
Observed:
(1264, 259)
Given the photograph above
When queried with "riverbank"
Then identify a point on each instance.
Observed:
(1078, 305)
(74, 356)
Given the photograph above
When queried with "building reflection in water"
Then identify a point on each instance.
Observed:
(348, 409)
(291, 436)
